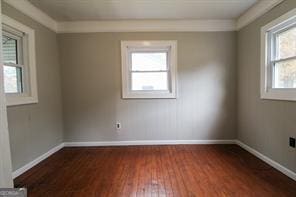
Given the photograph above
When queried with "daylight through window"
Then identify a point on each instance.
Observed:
(149, 69)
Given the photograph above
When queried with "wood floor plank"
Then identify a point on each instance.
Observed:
(179, 183)
(165, 166)
(175, 170)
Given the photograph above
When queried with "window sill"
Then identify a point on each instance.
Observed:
(279, 94)
(141, 95)
(20, 100)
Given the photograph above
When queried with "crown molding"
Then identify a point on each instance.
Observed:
(35, 13)
(256, 11)
(121, 25)
(147, 26)
(38, 15)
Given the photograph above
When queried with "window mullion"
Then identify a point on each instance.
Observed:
(13, 65)
(284, 59)
(149, 71)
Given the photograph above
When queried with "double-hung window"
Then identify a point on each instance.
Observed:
(148, 69)
(13, 63)
(278, 64)
(18, 50)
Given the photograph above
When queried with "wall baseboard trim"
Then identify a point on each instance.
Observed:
(146, 142)
(36, 161)
(267, 160)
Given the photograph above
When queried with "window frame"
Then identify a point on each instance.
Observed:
(8, 32)
(269, 58)
(128, 47)
(29, 94)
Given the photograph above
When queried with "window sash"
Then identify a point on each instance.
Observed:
(16, 35)
(19, 44)
(273, 51)
(20, 79)
(168, 81)
(273, 39)
(273, 64)
(148, 50)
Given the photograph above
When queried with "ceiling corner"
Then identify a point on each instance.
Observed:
(35, 13)
(255, 12)
(249, 16)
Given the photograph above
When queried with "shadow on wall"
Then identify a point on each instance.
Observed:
(199, 112)
(204, 108)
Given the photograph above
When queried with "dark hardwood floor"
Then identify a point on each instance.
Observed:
(181, 170)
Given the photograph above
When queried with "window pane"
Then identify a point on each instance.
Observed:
(287, 44)
(145, 61)
(9, 50)
(12, 79)
(285, 74)
(150, 81)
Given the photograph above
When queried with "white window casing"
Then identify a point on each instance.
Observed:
(130, 47)
(29, 93)
(269, 58)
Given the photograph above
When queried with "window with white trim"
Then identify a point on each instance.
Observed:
(278, 66)
(12, 61)
(18, 51)
(148, 69)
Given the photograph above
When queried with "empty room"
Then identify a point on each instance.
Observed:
(124, 98)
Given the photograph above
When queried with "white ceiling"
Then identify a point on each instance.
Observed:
(79, 10)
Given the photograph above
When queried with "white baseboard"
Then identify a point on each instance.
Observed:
(267, 160)
(31, 164)
(146, 142)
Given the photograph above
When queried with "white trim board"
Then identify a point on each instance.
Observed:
(250, 15)
(146, 142)
(30, 94)
(256, 11)
(267, 160)
(267, 91)
(35, 13)
(36, 161)
(5, 153)
(147, 26)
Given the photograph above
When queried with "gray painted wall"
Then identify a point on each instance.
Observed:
(265, 125)
(36, 128)
(91, 80)
(206, 107)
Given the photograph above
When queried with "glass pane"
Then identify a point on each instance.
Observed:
(285, 74)
(146, 61)
(12, 79)
(287, 44)
(150, 81)
(9, 50)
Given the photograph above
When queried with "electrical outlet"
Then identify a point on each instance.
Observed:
(118, 125)
(292, 142)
